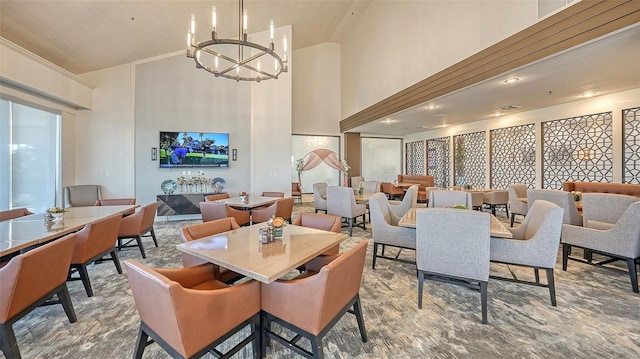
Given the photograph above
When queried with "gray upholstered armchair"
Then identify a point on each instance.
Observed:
(81, 195)
(534, 244)
(603, 210)
(452, 246)
(622, 241)
(410, 200)
(386, 231)
(320, 190)
(517, 193)
(370, 186)
(444, 198)
(341, 202)
(562, 199)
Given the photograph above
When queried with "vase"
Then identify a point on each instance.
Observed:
(57, 217)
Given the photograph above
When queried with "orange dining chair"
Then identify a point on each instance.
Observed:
(29, 280)
(296, 191)
(330, 288)
(325, 222)
(284, 208)
(210, 228)
(189, 313)
(137, 225)
(115, 202)
(216, 210)
(216, 197)
(93, 242)
(118, 202)
(263, 214)
(14, 213)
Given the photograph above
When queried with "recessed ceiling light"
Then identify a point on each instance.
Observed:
(388, 120)
(509, 107)
(431, 107)
(511, 80)
(588, 94)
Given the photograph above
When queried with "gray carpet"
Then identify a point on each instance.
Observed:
(598, 316)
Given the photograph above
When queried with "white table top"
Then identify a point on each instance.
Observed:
(27, 231)
(497, 228)
(240, 250)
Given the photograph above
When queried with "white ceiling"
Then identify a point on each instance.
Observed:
(83, 36)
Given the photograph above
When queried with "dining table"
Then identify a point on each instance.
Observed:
(241, 250)
(28, 231)
(248, 203)
(497, 229)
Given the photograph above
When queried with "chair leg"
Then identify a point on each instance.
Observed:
(84, 277)
(506, 210)
(256, 343)
(316, 347)
(350, 227)
(153, 235)
(116, 260)
(513, 217)
(139, 241)
(264, 341)
(420, 285)
(483, 300)
(67, 305)
(552, 286)
(633, 275)
(141, 343)
(357, 310)
(566, 249)
(375, 254)
(8, 341)
(536, 274)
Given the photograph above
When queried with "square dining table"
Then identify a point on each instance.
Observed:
(497, 228)
(241, 251)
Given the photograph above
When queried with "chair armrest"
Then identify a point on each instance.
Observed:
(189, 276)
(318, 262)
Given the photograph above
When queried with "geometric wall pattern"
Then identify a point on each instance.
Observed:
(631, 168)
(577, 149)
(469, 159)
(438, 155)
(415, 158)
(513, 156)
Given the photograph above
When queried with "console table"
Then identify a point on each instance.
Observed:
(181, 203)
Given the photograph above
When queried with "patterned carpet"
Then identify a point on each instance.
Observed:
(597, 315)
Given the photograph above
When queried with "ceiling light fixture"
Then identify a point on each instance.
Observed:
(588, 94)
(226, 57)
(432, 107)
(511, 80)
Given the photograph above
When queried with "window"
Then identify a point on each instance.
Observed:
(381, 158)
(29, 157)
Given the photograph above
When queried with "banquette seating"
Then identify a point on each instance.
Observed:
(628, 189)
(422, 181)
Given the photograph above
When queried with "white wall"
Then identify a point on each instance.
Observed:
(316, 90)
(394, 45)
(104, 136)
(30, 72)
(271, 126)
(614, 103)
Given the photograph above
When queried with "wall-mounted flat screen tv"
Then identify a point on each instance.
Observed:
(194, 149)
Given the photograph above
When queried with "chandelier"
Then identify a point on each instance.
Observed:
(239, 59)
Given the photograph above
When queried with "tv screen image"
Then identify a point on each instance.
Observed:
(194, 149)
